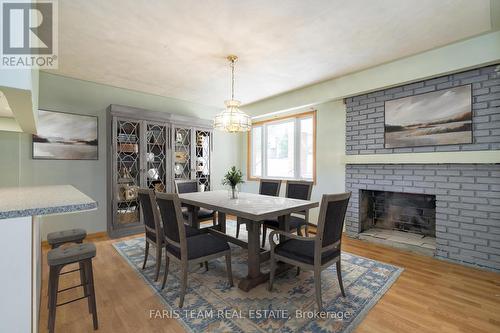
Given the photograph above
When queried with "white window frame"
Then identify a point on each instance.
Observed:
(297, 154)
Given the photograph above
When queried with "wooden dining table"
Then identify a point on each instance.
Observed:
(250, 209)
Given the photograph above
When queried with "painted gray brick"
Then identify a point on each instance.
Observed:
(466, 255)
(475, 227)
(465, 219)
(461, 245)
(424, 90)
(461, 232)
(491, 250)
(476, 186)
(486, 99)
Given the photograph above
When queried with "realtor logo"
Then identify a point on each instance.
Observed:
(29, 34)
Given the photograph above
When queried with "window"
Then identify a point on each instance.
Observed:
(283, 148)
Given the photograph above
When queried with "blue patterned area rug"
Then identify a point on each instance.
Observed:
(211, 306)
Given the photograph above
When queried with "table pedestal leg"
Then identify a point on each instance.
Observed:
(222, 221)
(255, 276)
(284, 223)
(193, 216)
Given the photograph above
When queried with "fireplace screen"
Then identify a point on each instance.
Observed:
(408, 212)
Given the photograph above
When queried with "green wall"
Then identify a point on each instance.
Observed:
(70, 95)
(9, 158)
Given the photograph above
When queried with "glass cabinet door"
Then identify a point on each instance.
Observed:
(182, 146)
(202, 163)
(128, 172)
(156, 172)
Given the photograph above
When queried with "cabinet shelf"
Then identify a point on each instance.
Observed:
(125, 180)
(127, 201)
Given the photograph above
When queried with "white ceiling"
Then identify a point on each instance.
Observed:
(177, 48)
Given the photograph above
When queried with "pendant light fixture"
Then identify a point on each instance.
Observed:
(232, 119)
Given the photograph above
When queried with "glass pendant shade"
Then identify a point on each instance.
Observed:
(232, 119)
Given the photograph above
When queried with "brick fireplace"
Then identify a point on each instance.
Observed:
(465, 197)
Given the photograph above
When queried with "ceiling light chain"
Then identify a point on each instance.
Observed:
(232, 78)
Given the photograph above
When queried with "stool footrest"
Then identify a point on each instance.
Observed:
(73, 287)
(73, 300)
(71, 271)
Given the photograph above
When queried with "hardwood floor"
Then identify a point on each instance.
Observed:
(430, 296)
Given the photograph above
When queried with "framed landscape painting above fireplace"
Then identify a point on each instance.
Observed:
(65, 136)
(441, 117)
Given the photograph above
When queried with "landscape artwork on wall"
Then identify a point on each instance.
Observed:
(65, 136)
(441, 117)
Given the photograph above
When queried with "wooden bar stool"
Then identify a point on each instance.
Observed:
(62, 256)
(58, 238)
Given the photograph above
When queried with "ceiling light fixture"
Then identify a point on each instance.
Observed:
(232, 119)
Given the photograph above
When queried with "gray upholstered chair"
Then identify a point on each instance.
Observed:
(187, 250)
(295, 189)
(189, 186)
(315, 253)
(266, 187)
(153, 228)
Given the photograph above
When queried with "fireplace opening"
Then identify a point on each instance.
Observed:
(395, 217)
(409, 212)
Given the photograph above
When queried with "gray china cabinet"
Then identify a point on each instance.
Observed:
(150, 150)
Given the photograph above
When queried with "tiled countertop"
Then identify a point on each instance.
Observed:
(42, 200)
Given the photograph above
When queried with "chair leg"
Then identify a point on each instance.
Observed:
(146, 252)
(264, 234)
(271, 272)
(54, 286)
(317, 287)
(49, 294)
(84, 279)
(339, 276)
(237, 229)
(49, 288)
(91, 299)
(158, 261)
(165, 274)
(229, 270)
(206, 266)
(298, 270)
(184, 273)
(214, 219)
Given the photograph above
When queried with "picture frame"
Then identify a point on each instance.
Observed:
(65, 136)
(436, 118)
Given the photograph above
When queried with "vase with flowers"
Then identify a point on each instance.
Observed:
(232, 178)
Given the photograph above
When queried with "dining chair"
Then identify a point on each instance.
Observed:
(315, 253)
(266, 187)
(190, 186)
(187, 250)
(295, 189)
(153, 227)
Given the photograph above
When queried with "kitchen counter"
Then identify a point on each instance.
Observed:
(20, 208)
(42, 200)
